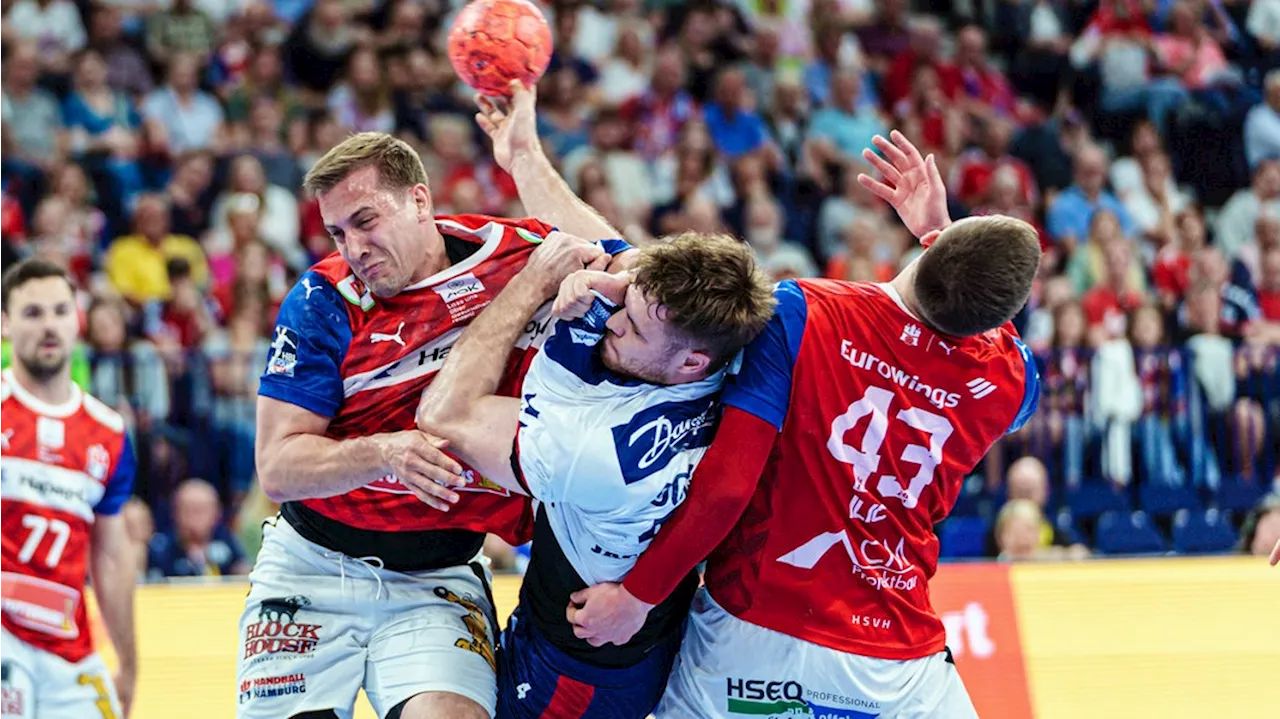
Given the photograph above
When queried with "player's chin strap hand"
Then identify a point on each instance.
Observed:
(606, 614)
(512, 124)
(559, 256)
(580, 289)
(418, 460)
(1275, 554)
(911, 184)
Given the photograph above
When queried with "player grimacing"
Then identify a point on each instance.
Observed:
(68, 470)
(857, 413)
(358, 584)
(612, 418)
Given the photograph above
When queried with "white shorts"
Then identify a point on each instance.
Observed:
(731, 668)
(318, 625)
(40, 685)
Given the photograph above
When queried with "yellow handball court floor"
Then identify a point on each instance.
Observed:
(1129, 639)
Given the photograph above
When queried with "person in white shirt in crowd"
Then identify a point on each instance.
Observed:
(1262, 124)
(55, 24)
(1237, 222)
(1154, 205)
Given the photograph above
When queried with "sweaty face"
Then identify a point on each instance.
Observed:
(377, 229)
(42, 324)
(639, 343)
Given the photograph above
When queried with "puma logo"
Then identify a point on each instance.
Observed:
(377, 337)
(308, 287)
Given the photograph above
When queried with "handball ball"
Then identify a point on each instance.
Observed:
(493, 42)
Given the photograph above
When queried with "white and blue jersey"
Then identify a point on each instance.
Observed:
(608, 459)
(609, 456)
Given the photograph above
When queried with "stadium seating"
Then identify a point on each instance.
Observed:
(1202, 532)
(1238, 495)
(1064, 523)
(1163, 500)
(964, 537)
(1128, 533)
(1094, 498)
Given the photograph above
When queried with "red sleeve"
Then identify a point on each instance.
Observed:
(719, 491)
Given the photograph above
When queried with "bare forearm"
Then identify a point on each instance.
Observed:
(476, 363)
(546, 196)
(115, 573)
(308, 466)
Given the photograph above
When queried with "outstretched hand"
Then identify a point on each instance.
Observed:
(511, 125)
(909, 182)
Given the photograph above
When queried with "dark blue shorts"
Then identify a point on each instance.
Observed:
(538, 681)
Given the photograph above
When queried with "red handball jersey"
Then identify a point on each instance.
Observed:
(363, 361)
(62, 466)
(879, 421)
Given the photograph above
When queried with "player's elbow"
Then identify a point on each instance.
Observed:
(439, 417)
(270, 487)
(270, 476)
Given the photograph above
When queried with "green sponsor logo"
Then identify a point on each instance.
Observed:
(770, 709)
(529, 236)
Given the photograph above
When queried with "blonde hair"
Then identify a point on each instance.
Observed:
(399, 166)
(1018, 509)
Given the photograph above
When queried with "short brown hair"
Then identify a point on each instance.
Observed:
(713, 292)
(399, 166)
(977, 274)
(26, 271)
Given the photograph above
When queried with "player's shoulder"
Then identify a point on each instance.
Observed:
(332, 269)
(849, 301)
(99, 413)
(476, 228)
(328, 292)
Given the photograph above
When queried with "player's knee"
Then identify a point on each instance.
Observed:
(439, 705)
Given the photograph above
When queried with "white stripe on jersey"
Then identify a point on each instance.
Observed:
(44, 485)
(609, 459)
(492, 233)
(427, 359)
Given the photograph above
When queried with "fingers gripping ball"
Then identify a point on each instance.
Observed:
(493, 42)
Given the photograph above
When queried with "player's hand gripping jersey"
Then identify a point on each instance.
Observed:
(62, 466)
(886, 419)
(609, 459)
(363, 361)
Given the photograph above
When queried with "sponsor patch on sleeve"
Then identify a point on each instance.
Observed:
(284, 352)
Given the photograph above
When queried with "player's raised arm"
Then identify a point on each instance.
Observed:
(301, 390)
(518, 150)
(460, 405)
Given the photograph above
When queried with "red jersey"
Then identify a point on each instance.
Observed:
(879, 421)
(1269, 302)
(1102, 306)
(62, 466)
(972, 173)
(363, 361)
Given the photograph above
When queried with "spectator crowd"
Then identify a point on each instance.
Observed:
(156, 149)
